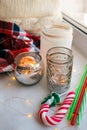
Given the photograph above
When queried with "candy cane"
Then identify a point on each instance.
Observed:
(55, 119)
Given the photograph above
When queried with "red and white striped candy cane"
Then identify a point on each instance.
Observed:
(59, 115)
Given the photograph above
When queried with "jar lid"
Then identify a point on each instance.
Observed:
(59, 29)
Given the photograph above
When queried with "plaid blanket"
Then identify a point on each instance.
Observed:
(14, 40)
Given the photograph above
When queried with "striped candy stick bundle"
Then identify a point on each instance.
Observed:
(77, 112)
(77, 107)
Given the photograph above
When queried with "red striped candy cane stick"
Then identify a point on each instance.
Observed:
(59, 115)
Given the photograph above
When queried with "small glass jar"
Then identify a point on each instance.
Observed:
(29, 68)
(59, 69)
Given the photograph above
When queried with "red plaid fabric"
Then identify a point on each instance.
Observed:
(14, 40)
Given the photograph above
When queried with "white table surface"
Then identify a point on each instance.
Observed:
(19, 104)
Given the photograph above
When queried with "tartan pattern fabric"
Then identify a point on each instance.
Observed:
(14, 40)
(12, 29)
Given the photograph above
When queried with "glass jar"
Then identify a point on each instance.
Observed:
(29, 68)
(59, 69)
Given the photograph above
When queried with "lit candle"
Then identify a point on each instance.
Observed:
(27, 62)
(29, 68)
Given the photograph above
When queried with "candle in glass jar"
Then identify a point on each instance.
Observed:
(29, 68)
(28, 62)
